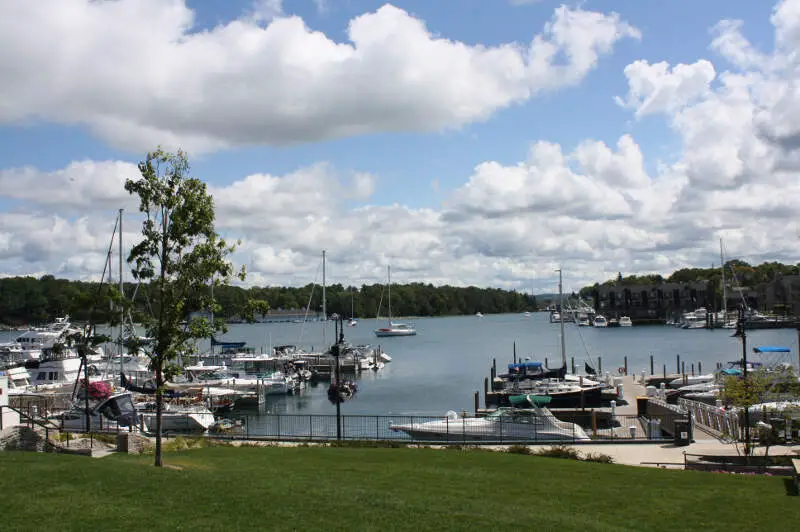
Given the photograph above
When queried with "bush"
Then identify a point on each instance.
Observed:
(598, 457)
(559, 451)
(518, 449)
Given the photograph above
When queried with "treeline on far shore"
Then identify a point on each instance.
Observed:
(29, 301)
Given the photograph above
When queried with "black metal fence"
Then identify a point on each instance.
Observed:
(579, 427)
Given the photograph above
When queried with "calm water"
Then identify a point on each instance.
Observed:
(442, 367)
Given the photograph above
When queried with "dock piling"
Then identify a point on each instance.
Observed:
(599, 365)
(626, 365)
(683, 369)
(677, 363)
(477, 400)
(692, 369)
(573, 365)
(665, 371)
(515, 352)
(699, 367)
(486, 392)
(651, 364)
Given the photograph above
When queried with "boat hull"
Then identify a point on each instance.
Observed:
(383, 333)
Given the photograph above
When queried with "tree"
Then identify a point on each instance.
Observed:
(180, 255)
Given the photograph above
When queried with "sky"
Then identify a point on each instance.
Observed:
(463, 142)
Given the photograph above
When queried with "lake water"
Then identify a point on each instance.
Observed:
(441, 367)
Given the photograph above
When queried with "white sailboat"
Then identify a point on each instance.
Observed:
(394, 329)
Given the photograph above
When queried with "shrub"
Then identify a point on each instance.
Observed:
(559, 451)
(598, 457)
(518, 449)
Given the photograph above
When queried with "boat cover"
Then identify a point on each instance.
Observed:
(535, 400)
(772, 349)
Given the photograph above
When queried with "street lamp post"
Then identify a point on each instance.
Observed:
(746, 383)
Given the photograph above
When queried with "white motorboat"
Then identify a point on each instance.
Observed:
(600, 321)
(625, 321)
(478, 315)
(536, 423)
(116, 412)
(176, 418)
(689, 380)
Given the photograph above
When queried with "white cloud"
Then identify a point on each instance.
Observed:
(594, 209)
(658, 88)
(137, 73)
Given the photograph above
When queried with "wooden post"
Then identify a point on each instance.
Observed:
(545, 362)
(492, 373)
(573, 365)
(477, 400)
(494, 367)
(683, 368)
(651, 364)
(699, 367)
(665, 371)
(692, 369)
(626, 365)
(486, 392)
(677, 363)
(599, 365)
(515, 352)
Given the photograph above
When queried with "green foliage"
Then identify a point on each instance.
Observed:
(518, 449)
(233, 303)
(180, 254)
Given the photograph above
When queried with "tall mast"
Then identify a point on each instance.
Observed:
(561, 321)
(724, 287)
(389, 276)
(122, 294)
(324, 304)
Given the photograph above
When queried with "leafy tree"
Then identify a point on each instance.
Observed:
(180, 254)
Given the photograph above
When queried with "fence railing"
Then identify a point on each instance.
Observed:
(582, 427)
(713, 419)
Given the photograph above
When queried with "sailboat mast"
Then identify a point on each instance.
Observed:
(324, 309)
(561, 320)
(121, 294)
(389, 277)
(724, 286)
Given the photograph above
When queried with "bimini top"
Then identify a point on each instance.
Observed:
(771, 349)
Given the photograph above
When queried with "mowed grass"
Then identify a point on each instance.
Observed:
(317, 488)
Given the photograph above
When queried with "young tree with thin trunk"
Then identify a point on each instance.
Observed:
(180, 255)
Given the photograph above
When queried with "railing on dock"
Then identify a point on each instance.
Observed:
(713, 419)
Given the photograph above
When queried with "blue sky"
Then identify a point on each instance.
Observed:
(431, 172)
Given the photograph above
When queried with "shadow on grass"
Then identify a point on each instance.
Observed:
(790, 487)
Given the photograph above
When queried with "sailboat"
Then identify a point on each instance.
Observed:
(353, 321)
(394, 329)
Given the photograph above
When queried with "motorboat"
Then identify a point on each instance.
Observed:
(116, 412)
(176, 417)
(535, 423)
(478, 315)
(625, 321)
(600, 321)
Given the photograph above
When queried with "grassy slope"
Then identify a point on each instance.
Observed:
(377, 489)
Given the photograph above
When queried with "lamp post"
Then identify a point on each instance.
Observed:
(743, 334)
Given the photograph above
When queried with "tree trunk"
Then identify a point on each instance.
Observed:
(159, 410)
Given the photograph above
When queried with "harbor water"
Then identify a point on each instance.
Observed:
(442, 367)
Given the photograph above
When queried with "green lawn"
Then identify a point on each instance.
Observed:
(354, 489)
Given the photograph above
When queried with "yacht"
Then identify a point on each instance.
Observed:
(535, 423)
(600, 321)
(35, 339)
(625, 321)
(478, 315)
